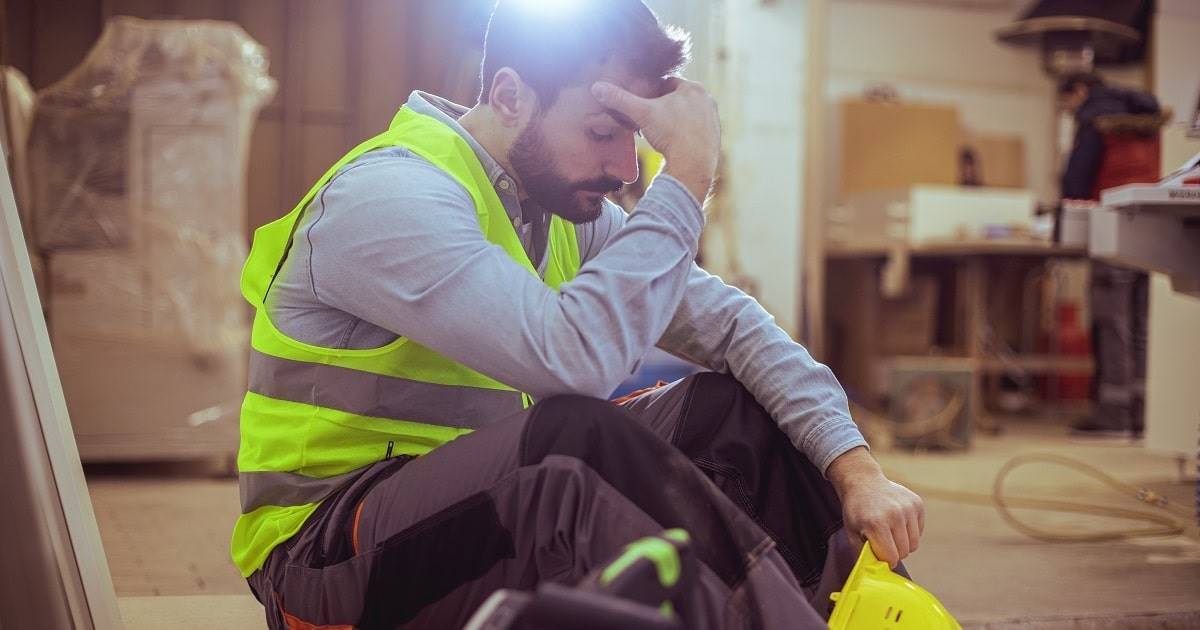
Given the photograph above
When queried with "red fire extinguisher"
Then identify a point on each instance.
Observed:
(1069, 339)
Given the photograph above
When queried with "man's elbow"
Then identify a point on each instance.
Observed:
(594, 380)
(593, 385)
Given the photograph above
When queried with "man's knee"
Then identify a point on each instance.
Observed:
(652, 474)
(575, 405)
(718, 404)
(723, 386)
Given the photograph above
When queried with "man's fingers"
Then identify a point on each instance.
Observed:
(900, 536)
(914, 530)
(884, 547)
(615, 97)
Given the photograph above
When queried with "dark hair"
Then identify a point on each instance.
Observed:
(552, 48)
(1087, 79)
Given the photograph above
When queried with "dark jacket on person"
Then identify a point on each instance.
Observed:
(1079, 178)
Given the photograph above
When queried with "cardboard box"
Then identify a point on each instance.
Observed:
(137, 400)
(955, 212)
(1000, 159)
(929, 213)
(139, 382)
(895, 145)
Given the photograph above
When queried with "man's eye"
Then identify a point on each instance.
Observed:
(601, 137)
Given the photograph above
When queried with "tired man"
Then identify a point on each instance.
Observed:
(439, 320)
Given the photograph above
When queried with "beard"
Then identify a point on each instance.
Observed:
(534, 166)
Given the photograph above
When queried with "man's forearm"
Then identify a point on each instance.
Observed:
(726, 330)
(852, 467)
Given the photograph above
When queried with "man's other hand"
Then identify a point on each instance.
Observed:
(875, 508)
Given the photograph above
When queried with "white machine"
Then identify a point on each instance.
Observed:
(1154, 227)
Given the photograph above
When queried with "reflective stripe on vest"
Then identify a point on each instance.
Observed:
(313, 415)
(259, 489)
(378, 395)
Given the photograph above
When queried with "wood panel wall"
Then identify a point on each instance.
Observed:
(343, 68)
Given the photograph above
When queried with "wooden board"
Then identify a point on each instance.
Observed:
(385, 85)
(64, 30)
(264, 196)
(895, 145)
(997, 247)
(325, 34)
(53, 569)
(851, 329)
(910, 320)
(1001, 159)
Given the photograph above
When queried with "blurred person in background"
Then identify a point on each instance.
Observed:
(1104, 156)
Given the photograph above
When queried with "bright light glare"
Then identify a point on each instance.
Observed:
(547, 6)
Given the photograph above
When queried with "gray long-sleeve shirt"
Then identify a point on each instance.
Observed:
(392, 247)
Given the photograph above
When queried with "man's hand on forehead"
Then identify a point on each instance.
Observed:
(622, 120)
(665, 87)
(681, 124)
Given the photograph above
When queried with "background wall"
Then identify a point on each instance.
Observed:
(943, 55)
(762, 96)
(752, 56)
(946, 52)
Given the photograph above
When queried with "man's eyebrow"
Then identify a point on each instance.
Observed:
(622, 119)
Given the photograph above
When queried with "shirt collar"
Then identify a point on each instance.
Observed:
(448, 113)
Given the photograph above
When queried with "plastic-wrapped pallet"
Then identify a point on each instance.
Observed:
(139, 161)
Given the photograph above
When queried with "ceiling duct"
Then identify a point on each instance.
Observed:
(1077, 35)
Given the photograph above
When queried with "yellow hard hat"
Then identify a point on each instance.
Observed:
(875, 598)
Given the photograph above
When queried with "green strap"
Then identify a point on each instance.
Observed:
(657, 550)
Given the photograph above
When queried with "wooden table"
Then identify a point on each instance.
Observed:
(870, 271)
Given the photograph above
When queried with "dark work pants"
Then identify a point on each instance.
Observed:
(1120, 313)
(556, 492)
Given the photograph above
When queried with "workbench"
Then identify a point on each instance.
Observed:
(859, 276)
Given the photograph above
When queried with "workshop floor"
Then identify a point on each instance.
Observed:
(991, 576)
(165, 535)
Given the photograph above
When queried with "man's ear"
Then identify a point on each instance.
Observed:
(512, 101)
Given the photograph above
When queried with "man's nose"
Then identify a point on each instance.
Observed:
(623, 163)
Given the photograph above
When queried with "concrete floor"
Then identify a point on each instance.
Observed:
(166, 537)
(991, 576)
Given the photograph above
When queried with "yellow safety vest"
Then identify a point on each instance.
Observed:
(313, 416)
